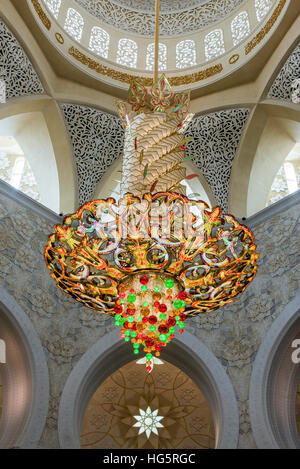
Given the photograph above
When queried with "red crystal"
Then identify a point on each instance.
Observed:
(162, 308)
(149, 342)
(182, 295)
(144, 280)
(171, 322)
(163, 329)
(118, 309)
(156, 304)
(145, 319)
(152, 319)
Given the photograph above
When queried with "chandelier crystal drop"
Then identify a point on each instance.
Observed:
(148, 308)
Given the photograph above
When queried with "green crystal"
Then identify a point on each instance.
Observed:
(169, 283)
(131, 298)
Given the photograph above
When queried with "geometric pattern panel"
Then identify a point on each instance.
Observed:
(74, 24)
(214, 44)
(162, 57)
(53, 6)
(287, 180)
(99, 42)
(110, 419)
(16, 69)
(262, 7)
(282, 85)
(240, 27)
(15, 170)
(165, 5)
(215, 140)
(186, 54)
(97, 140)
(138, 17)
(127, 53)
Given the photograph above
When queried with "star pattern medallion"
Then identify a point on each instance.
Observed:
(148, 421)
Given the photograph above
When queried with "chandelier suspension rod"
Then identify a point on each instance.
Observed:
(156, 48)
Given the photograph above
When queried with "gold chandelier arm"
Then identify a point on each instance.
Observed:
(156, 49)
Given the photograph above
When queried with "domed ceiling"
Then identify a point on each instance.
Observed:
(165, 5)
(177, 17)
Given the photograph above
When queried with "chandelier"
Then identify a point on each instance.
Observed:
(156, 257)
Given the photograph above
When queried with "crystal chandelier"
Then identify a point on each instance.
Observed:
(156, 257)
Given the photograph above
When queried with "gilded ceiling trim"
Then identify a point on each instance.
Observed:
(42, 15)
(195, 77)
(59, 38)
(233, 59)
(127, 78)
(264, 31)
